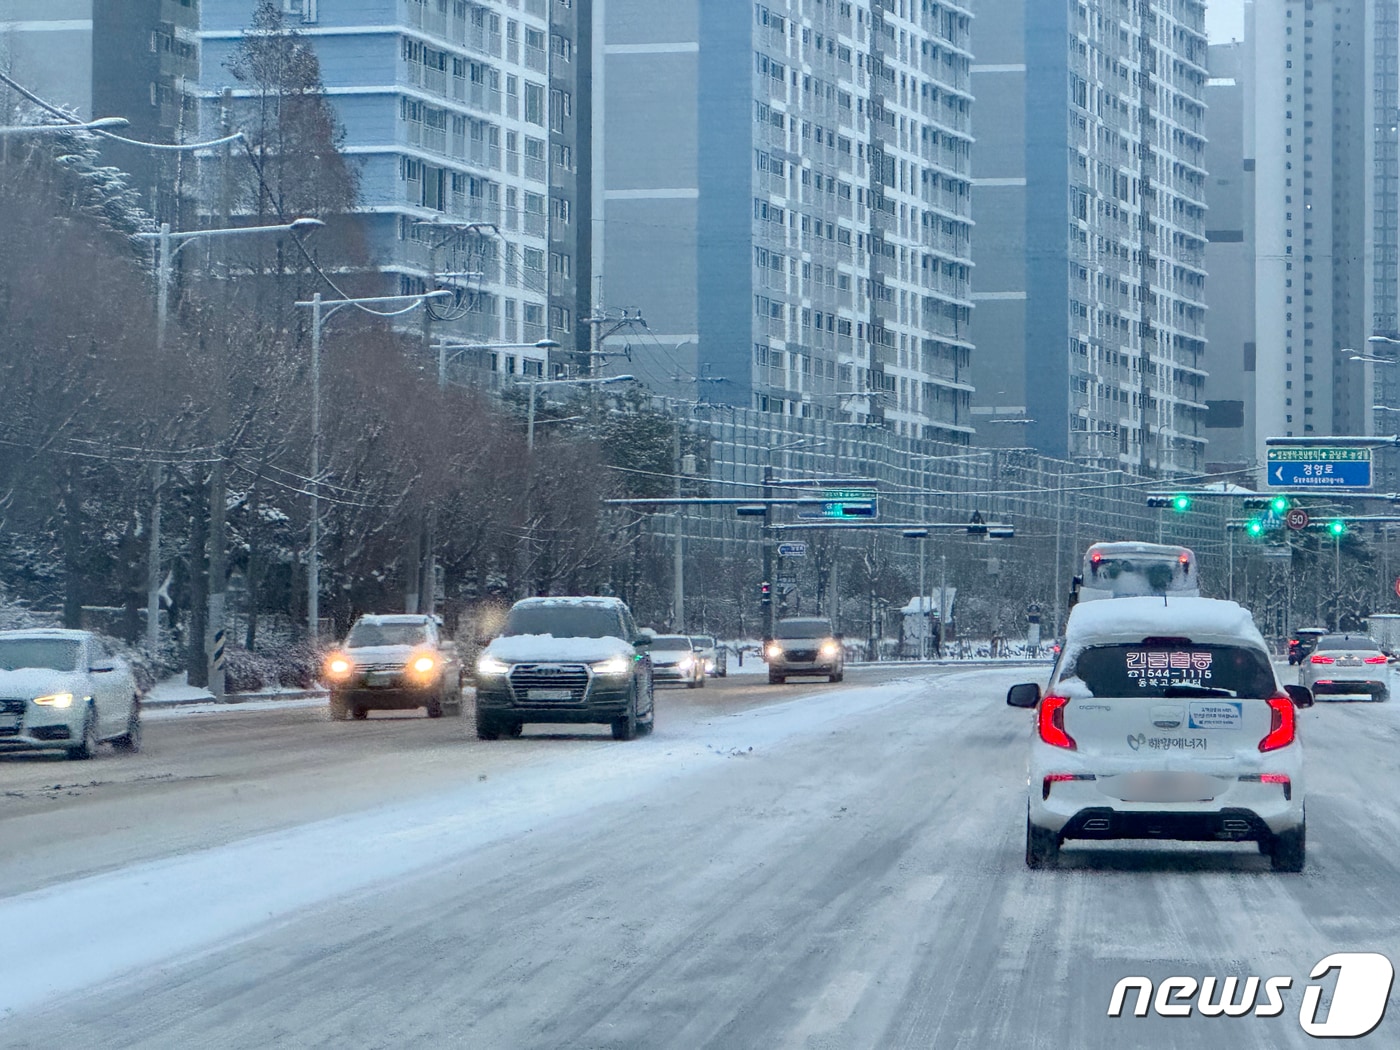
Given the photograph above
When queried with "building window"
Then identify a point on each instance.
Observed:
(534, 104)
(303, 9)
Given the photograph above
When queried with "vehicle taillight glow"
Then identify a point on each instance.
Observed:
(1318, 658)
(1376, 659)
(1051, 721)
(1273, 778)
(1283, 729)
(1057, 778)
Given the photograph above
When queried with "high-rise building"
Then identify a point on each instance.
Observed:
(446, 107)
(1097, 347)
(571, 174)
(785, 195)
(1229, 421)
(46, 45)
(1323, 111)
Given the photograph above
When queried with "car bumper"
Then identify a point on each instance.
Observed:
(799, 667)
(1349, 687)
(1242, 809)
(672, 674)
(604, 700)
(41, 730)
(388, 698)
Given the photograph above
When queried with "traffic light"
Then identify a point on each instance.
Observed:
(1280, 505)
(1181, 503)
(1255, 527)
(765, 591)
(976, 525)
(1337, 527)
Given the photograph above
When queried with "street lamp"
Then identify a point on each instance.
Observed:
(100, 124)
(169, 245)
(444, 348)
(535, 384)
(922, 536)
(319, 315)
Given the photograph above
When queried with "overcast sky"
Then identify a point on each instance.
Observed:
(1224, 20)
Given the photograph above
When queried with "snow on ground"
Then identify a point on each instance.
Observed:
(81, 933)
(177, 690)
(185, 710)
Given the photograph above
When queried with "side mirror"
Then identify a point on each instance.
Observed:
(1302, 696)
(1026, 695)
(102, 667)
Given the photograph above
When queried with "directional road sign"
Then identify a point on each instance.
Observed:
(787, 577)
(1296, 519)
(1319, 468)
(845, 503)
(792, 550)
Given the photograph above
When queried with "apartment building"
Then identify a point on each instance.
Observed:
(784, 191)
(1097, 345)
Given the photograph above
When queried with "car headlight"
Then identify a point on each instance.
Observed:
(830, 649)
(775, 651)
(339, 666)
(685, 663)
(55, 700)
(422, 664)
(613, 665)
(489, 665)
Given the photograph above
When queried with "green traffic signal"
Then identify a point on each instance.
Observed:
(1255, 527)
(1337, 528)
(1280, 504)
(1181, 503)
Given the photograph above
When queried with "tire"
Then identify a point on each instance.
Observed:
(361, 713)
(1289, 849)
(625, 728)
(87, 745)
(775, 679)
(130, 741)
(1380, 696)
(487, 728)
(1042, 846)
(340, 711)
(513, 730)
(435, 709)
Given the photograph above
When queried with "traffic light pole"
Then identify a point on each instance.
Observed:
(767, 599)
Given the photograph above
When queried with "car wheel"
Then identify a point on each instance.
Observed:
(1289, 849)
(625, 728)
(87, 745)
(361, 713)
(1381, 695)
(487, 728)
(435, 710)
(130, 741)
(775, 679)
(513, 729)
(340, 711)
(1042, 846)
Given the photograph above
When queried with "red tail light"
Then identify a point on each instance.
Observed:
(1051, 721)
(1318, 658)
(1376, 659)
(1284, 728)
(1272, 778)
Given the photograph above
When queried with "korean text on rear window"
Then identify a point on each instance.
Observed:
(1152, 670)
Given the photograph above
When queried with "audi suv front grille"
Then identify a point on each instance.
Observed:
(547, 684)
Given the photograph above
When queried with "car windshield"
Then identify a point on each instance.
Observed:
(564, 621)
(703, 641)
(1162, 669)
(804, 629)
(363, 635)
(51, 654)
(671, 643)
(1335, 642)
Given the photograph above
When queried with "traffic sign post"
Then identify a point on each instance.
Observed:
(1297, 519)
(1320, 468)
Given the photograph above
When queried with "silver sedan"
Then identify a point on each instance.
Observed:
(1346, 665)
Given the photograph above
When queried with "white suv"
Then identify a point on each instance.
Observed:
(1164, 719)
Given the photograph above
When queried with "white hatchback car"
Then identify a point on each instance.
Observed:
(1164, 719)
(63, 690)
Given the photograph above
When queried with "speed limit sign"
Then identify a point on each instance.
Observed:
(1296, 519)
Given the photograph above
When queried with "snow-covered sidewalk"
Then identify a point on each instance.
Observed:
(176, 692)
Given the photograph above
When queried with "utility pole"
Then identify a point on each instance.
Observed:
(313, 554)
(942, 601)
(1055, 583)
(218, 475)
(767, 599)
(679, 553)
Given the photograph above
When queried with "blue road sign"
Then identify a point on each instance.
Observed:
(792, 550)
(1320, 468)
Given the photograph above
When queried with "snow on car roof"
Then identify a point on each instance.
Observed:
(46, 632)
(378, 618)
(1133, 619)
(578, 600)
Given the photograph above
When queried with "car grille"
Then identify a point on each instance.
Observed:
(528, 679)
(13, 707)
(801, 655)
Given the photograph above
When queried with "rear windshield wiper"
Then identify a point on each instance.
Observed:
(1197, 690)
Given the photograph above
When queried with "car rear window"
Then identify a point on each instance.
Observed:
(1150, 670)
(1336, 641)
(804, 629)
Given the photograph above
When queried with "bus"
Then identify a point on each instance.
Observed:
(1130, 570)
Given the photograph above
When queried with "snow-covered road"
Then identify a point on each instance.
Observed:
(838, 869)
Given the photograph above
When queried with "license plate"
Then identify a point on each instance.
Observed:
(550, 694)
(380, 678)
(1165, 787)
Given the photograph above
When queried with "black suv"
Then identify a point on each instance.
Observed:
(572, 660)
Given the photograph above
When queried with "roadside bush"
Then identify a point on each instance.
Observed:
(246, 672)
(297, 665)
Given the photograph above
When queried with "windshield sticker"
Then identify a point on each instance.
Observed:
(1214, 714)
(1160, 668)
